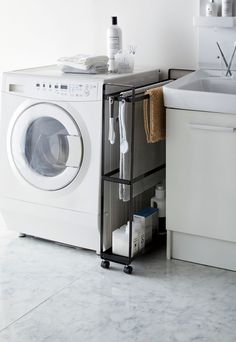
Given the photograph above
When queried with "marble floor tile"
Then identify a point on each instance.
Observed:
(166, 301)
(32, 270)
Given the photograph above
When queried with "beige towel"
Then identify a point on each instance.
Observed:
(155, 115)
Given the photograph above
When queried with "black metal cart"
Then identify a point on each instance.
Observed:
(112, 176)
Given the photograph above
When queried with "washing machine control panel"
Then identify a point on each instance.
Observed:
(55, 89)
(76, 91)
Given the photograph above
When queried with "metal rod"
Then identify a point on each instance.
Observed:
(230, 63)
(224, 59)
(149, 173)
(131, 204)
(128, 93)
(128, 99)
(172, 73)
(108, 176)
(138, 99)
(112, 173)
(102, 172)
(117, 180)
(141, 90)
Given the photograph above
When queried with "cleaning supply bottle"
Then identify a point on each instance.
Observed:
(139, 230)
(227, 8)
(159, 201)
(211, 9)
(114, 43)
(120, 239)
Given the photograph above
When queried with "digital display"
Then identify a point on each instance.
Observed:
(16, 88)
(63, 86)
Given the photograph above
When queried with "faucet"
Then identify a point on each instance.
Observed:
(231, 61)
(228, 65)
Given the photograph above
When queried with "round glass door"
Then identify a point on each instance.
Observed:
(46, 146)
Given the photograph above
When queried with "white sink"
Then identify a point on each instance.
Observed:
(202, 90)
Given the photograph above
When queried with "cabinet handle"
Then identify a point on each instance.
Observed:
(212, 128)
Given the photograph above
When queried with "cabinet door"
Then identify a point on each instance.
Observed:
(201, 173)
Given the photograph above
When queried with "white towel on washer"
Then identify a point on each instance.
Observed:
(84, 64)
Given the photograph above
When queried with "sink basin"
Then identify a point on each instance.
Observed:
(212, 85)
(202, 90)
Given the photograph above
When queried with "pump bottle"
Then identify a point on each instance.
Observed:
(114, 43)
(227, 8)
(211, 9)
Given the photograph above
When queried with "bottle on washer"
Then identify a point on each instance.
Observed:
(211, 9)
(227, 8)
(114, 43)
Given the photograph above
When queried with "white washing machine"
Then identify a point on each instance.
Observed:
(50, 152)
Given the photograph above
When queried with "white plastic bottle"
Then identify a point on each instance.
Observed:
(139, 230)
(211, 9)
(120, 239)
(227, 8)
(159, 201)
(114, 43)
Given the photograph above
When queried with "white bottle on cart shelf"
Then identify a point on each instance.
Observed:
(159, 201)
(120, 239)
(139, 229)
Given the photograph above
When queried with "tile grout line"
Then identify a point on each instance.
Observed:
(38, 305)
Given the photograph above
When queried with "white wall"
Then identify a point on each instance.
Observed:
(162, 30)
(37, 32)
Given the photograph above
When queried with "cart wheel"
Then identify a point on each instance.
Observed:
(128, 269)
(105, 264)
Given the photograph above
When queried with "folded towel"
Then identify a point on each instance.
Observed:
(96, 69)
(90, 60)
(85, 61)
(155, 115)
(84, 64)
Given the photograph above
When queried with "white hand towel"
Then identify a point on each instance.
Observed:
(83, 61)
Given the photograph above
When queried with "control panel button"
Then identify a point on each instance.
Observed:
(86, 92)
(75, 90)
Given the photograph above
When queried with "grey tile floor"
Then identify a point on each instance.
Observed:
(54, 293)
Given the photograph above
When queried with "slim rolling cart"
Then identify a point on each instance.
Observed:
(131, 95)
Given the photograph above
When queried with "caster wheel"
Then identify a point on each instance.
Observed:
(22, 235)
(128, 269)
(105, 264)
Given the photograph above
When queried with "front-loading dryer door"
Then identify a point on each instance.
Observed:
(46, 146)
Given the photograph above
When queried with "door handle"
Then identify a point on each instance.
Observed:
(75, 151)
(212, 128)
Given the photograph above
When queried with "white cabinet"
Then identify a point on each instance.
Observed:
(201, 186)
